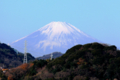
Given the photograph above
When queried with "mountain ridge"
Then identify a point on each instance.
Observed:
(48, 56)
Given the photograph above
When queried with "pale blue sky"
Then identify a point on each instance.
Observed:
(97, 18)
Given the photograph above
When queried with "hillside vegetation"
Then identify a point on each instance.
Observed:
(91, 61)
(9, 58)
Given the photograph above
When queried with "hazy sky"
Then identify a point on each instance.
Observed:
(97, 18)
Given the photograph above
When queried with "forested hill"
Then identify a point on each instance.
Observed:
(91, 61)
(10, 58)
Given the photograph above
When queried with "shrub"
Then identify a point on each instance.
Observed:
(97, 52)
(40, 63)
(49, 65)
(57, 69)
(97, 46)
(71, 58)
(110, 48)
(86, 46)
(67, 65)
(81, 53)
(32, 71)
(73, 49)
(59, 61)
(98, 60)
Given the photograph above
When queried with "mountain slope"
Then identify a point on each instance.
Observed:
(53, 37)
(9, 58)
(91, 61)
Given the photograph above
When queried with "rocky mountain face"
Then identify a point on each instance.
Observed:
(53, 37)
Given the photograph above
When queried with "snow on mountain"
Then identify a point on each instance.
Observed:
(53, 37)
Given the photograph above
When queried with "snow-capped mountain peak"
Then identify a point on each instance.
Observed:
(55, 36)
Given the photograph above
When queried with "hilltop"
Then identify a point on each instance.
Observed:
(93, 61)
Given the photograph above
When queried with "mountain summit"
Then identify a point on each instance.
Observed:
(55, 36)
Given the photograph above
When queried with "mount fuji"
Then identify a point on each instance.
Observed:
(55, 36)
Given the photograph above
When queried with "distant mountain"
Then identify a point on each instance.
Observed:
(48, 56)
(53, 37)
(9, 58)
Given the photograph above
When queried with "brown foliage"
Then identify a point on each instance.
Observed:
(80, 61)
(10, 78)
(18, 71)
(61, 74)
(78, 77)
(30, 65)
(24, 66)
(43, 74)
